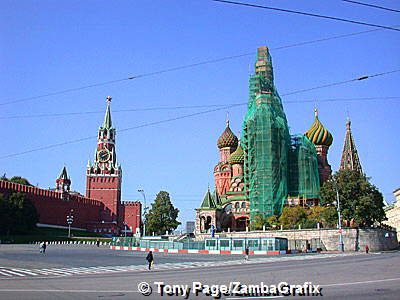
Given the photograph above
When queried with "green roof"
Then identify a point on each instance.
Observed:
(107, 118)
(216, 198)
(208, 201)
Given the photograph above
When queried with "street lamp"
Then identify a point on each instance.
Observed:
(70, 220)
(125, 227)
(144, 211)
(341, 244)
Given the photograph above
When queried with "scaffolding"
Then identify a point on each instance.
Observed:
(303, 169)
(266, 142)
(275, 165)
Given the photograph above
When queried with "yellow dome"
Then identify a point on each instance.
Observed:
(318, 134)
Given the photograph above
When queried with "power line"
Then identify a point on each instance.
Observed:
(189, 116)
(371, 5)
(307, 14)
(115, 111)
(193, 106)
(182, 67)
(121, 130)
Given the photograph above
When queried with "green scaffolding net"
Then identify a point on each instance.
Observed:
(303, 169)
(275, 165)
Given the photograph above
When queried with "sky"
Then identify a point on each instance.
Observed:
(47, 47)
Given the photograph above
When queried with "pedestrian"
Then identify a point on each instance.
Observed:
(98, 242)
(247, 253)
(366, 249)
(41, 247)
(150, 259)
(44, 247)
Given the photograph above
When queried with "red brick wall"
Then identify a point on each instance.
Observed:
(132, 214)
(106, 189)
(53, 209)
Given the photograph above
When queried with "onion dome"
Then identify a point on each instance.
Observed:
(318, 134)
(237, 157)
(227, 138)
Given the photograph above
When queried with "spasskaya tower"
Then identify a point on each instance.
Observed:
(104, 176)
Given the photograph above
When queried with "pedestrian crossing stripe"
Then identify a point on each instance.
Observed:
(9, 273)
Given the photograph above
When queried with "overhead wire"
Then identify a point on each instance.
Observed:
(306, 14)
(182, 67)
(193, 106)
(190, 115)
(371, 5)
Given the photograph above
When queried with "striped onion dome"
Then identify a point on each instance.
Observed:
(227, 138)
(318, 134)
(237, 157)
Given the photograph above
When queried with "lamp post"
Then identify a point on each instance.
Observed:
(341, 244)
(125, 228)
(70, 220)
(144, 210)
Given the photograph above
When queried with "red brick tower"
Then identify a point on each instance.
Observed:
(63, 183)
(227, 143)
(104, 176)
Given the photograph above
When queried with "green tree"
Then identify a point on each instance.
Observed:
(292, 216)
(329, 217)
(6, 215)
(325, 216)
(273, 221)
(25, 215)
(258, 222)
(20, 180)
(162, 215)
(17, 213)
(360, 200)
(16, 179)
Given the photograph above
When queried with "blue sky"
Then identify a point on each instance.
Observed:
(49, 46)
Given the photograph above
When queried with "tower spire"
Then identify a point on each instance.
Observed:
(350, 159)
(63, 174)
(63, 183)
(107, 118)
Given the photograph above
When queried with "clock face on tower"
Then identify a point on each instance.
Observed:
(103, 155)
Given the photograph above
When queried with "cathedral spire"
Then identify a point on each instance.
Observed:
(107, 118)
(350, 159)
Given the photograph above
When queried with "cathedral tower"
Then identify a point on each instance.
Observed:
(227, 143)
(265, 142)
(104, 176)
(322, 139)
(350, 159)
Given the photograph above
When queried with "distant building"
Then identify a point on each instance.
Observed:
(190, 226)
(393, 213)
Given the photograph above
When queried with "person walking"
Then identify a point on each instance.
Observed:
(150, 259)
(44, 247)
(41, 247)
(366, 249)
(98, 242)
(247, 253)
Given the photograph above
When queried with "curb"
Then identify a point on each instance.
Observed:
(185, 251)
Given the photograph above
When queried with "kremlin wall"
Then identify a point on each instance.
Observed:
(102, 209)
(53, 207)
